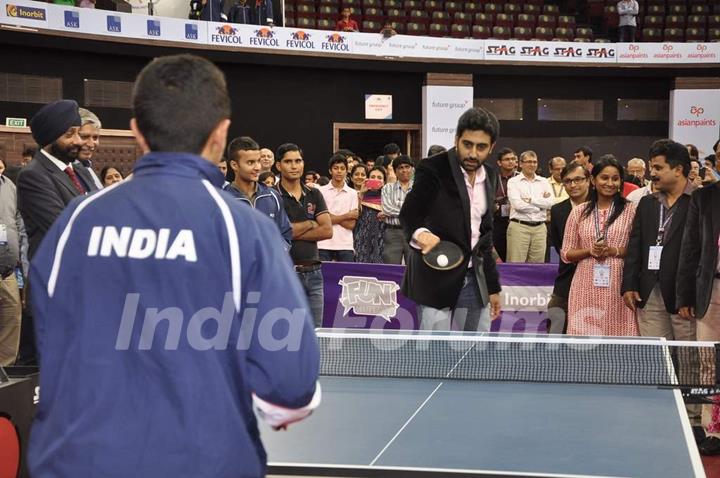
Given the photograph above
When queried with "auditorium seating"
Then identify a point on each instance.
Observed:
(659, 20)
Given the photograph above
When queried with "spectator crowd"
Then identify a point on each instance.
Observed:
(636, 253)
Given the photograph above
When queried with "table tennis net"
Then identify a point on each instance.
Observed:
(548, 359)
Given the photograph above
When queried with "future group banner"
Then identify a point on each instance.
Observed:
(543, 51)
(668, 52)
(409, 46)
(368, 296)
(41, 15)
(442, 106)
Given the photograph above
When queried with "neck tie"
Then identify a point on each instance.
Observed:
(73, 177)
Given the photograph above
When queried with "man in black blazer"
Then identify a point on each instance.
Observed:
(576, 180)
(49, 182)
(698, 287)
(453, 200)
(653, 251)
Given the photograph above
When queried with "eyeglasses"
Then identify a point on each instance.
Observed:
(573, 181)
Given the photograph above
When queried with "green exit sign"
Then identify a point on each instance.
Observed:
(16, 122)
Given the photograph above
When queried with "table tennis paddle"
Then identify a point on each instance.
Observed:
(445, 256)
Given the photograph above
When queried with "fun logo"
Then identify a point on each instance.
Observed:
(369, 296)
(697, 110)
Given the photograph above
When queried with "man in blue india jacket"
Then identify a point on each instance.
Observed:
(244, 160)
(159, 326)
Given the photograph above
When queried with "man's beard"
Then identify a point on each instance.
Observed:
(470, 165)
(67, 156)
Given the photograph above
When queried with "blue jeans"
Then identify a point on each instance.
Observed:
(313, 283)
(468, 315)
(327, 255)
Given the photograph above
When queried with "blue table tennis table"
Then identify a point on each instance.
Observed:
(375, 426)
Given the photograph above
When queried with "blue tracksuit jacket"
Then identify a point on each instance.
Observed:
(139, 375)
(269, 202)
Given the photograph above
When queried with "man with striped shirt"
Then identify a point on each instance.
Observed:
(395, 247)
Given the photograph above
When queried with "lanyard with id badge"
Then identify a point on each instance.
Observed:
(601, 272)
(655, 253)
(505, 207)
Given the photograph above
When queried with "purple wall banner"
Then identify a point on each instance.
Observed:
(368, 296)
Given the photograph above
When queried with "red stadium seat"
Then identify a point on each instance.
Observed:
(658, 10)
(699, 10)
(680, 9)
(547, 21)
(453, 7)
(305, 22)
(673, 35)
(522, 33)
(414, 28)
(695, 35)
(551, 10)
(460, 30)
(419, 16)
(412, 5)
(565, 21)
(434, 6)
(531, 9)
(675, 21)
(473, 8)
(504, 20)
(564, 34)
(714, 34)
(373, 15)
(326, 11)
(396, 16)
(653, 21)
(492, 8)
(651, 35)
(526, 21)
(583, 34)
(438, 30)
(481, 32)
(697, 21)
(501, 33)
(392, 4)
(544, 33)
(442, 18)
(462, 18)
(484, 19)
(371, 26)
(372, 4)
(714, 21)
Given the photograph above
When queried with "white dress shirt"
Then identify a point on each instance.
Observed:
(530, 199)
(61, 166)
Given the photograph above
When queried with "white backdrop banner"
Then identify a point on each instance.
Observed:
(668, 52)
(542, 51)
(441, 108)
(43, 16)
(695, 118)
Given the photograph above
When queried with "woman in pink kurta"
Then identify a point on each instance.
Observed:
(595, 245)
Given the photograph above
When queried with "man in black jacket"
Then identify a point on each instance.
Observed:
(576, 180)
(653, 251)
(51, 180)
(698, 288)
(452, 200)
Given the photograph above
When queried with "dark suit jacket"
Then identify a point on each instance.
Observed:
(43, 192)
(699, 251)
(559, 214)
(439, 201)
(636, 276)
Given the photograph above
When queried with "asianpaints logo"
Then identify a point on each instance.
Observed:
(702, 52)
(697, 122)
(668, 52)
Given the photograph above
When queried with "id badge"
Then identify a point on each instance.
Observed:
(505, 210)
(654, 258)
(3, 234)
(601, 275)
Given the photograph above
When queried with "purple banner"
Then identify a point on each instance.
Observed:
(368, 296)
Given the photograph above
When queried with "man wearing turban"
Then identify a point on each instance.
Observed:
(47, 184)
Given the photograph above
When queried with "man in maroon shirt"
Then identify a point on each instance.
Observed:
(346, 24)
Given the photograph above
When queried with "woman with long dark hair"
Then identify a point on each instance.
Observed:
(595, 238)
(370, 229)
